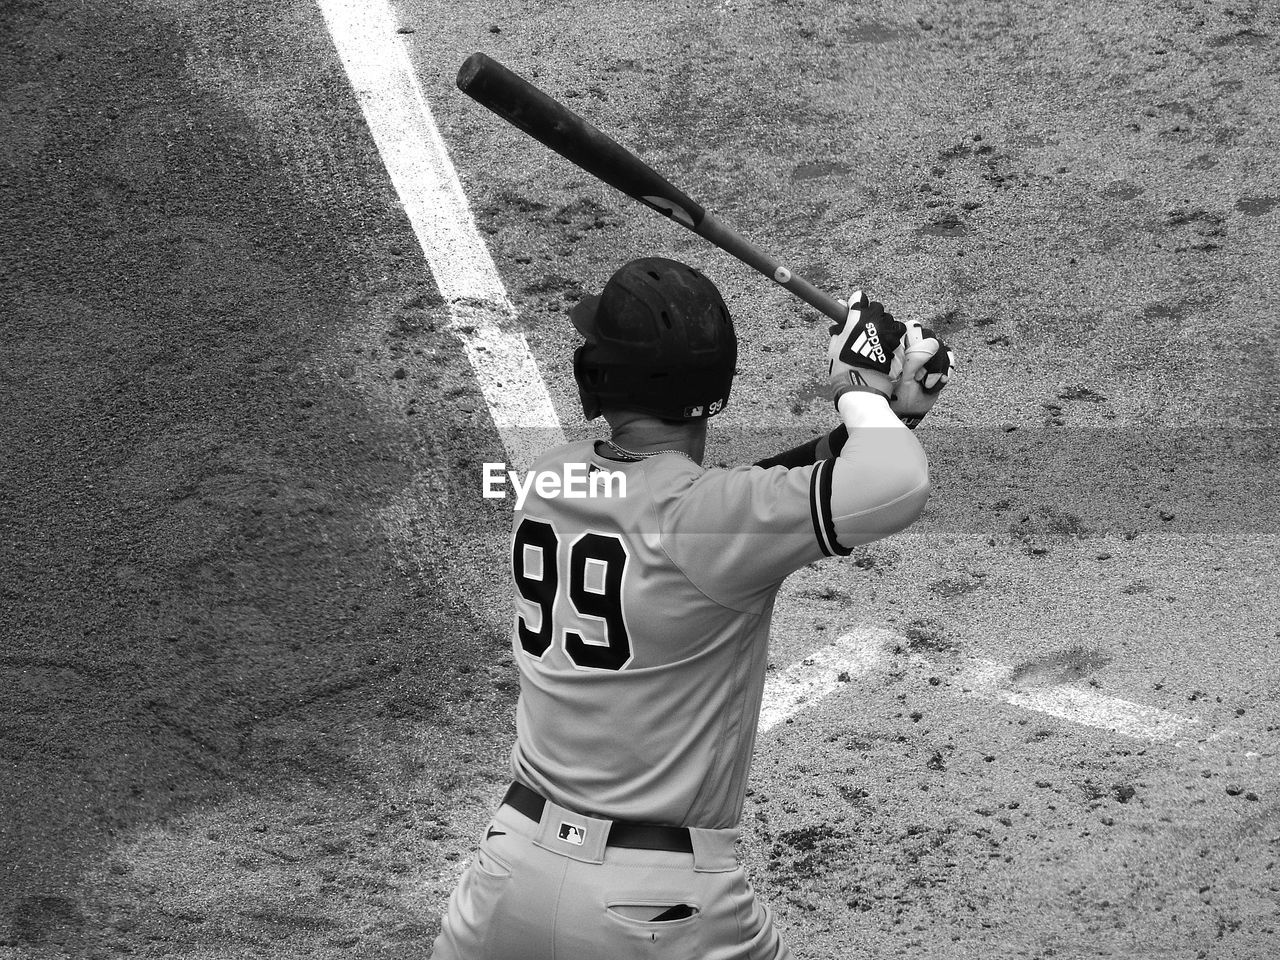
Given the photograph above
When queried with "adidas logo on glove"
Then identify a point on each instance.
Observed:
(868, 344)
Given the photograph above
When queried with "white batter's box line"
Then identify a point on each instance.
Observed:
(412, 149)
(518, 401)
(823, 672)
(464, 310)
(417, 161)
(875, 650)
(994, 681)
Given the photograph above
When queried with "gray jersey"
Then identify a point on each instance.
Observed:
(642, 622)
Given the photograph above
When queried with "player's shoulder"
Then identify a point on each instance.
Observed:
(747, 476)
(725, 490)
(576, 451)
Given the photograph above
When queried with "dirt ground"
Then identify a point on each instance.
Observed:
(256, 694)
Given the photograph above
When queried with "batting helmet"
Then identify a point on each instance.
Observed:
(659, 341)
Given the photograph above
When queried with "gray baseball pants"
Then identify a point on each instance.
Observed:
(555, 890)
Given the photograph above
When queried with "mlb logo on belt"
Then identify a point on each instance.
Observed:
(571, 834)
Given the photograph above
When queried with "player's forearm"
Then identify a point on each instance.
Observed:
(880, 481)
(819, 448)
(869, 410)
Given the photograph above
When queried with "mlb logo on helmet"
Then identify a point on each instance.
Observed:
(709, 410)
(571, 834)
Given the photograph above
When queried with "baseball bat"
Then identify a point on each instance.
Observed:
(550, 122)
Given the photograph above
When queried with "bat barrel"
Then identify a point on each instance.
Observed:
(553, 124)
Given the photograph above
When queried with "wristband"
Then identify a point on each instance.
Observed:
(852, 387)
(857, 412)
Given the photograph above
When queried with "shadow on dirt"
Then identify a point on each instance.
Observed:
(191, 545)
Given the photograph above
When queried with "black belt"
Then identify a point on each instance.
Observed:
(623, 833)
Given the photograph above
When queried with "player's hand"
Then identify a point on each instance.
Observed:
(863, 352)
(905, 362)
(927, 363)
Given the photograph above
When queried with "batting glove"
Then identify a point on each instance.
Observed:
(905, 363)
(927, 363)
(863, 350)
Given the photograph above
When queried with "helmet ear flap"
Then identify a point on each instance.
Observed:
(584, 375)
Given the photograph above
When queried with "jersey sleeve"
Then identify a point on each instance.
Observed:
(738, 533)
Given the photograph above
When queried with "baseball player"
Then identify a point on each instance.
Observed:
(641, 627)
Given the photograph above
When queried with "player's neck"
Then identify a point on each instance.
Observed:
(640, 433)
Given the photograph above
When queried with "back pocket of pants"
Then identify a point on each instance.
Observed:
(668, 929)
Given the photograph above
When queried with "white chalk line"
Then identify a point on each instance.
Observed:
(990, 680)
(870, 651)
(822, 673)
(400, 119)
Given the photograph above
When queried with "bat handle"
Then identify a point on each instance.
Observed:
(730, 240)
